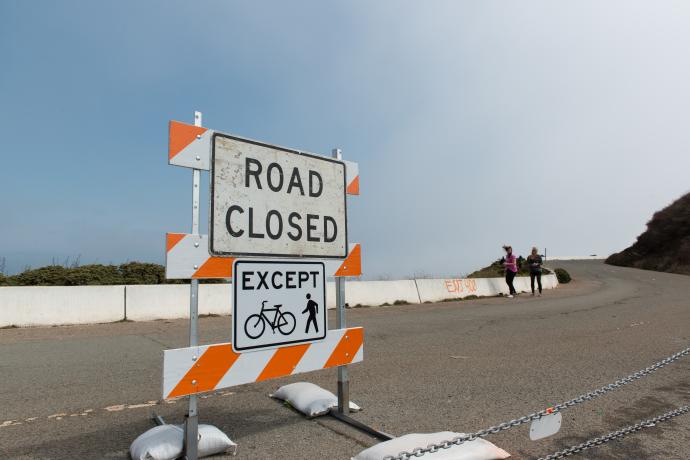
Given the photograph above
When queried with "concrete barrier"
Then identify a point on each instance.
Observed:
(435, 290)
(214, 299)
(61, 305)
(376, 293)
(49, 306)
(168, 301)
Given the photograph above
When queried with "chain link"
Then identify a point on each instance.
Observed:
(617, 434)
(456, 441)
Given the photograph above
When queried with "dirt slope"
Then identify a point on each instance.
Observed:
(665, 245)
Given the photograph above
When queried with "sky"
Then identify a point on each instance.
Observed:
(475, 123)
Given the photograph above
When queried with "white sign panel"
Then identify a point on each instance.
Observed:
(277, 303)
(268, 200)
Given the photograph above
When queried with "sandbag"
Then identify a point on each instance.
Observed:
(159, 443)
(213, 441)
(165, 442)
(478, 449)
(310, 399)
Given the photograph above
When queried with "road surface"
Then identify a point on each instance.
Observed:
(88, 391)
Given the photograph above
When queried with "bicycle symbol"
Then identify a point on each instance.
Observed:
(255, 325)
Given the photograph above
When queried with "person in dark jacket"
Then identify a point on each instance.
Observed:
(534, 261)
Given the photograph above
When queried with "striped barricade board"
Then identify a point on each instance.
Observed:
(189, 146)
(187, 257)
(200, 369)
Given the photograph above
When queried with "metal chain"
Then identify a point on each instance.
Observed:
(617, 434)
(456, 441)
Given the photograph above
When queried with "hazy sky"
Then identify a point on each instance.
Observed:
(560, 124)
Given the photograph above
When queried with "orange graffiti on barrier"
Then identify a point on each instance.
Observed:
(471, 285)
(456, 286)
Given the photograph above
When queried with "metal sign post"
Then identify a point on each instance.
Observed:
(343, 381)
(191, 425)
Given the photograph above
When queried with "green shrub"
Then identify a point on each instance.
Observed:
(142, 273)
(94, 275)
(562, 276)
(52, 275)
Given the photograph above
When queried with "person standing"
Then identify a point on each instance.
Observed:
(534, 260)
(511, 270)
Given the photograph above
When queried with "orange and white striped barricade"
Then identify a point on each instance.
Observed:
(200, 369)
(197, 369)
(187, 257)
(189, 146)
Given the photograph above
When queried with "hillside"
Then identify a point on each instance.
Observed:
(665, 245)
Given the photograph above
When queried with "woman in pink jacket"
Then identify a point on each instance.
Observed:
(511, 269)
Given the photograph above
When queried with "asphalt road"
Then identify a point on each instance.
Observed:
(87, 392)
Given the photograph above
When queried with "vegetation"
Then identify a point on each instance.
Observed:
(94, 274)
(497, 270)
(562, 275)
(665, 245)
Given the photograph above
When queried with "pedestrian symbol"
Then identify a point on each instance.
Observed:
(312, 309)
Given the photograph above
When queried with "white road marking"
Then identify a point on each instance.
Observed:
(113, 408)
(146, 404)
(9, 423)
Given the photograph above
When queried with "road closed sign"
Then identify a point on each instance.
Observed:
(277, 303)
(271, 201)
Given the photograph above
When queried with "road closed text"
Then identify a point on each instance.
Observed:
(272, 201)
(273, 224)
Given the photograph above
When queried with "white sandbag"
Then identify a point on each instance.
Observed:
(479, 449)
(159, 443)
(310, 399)
(213, 441)
(165, 442)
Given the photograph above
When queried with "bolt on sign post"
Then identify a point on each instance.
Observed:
(266, 201)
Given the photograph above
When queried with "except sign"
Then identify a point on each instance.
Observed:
(277, 303)
(268, 200)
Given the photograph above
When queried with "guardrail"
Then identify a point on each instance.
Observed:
(65, 305)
